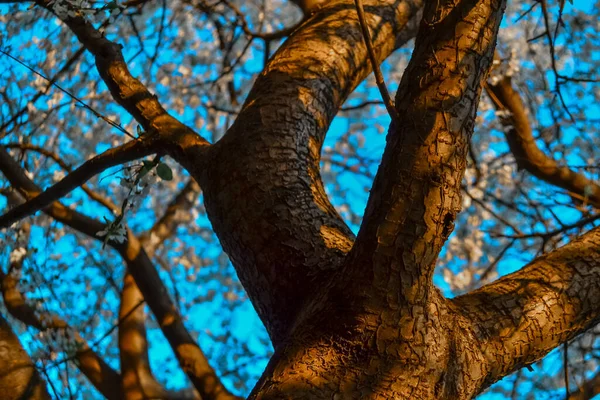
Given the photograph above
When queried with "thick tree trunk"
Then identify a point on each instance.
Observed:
(356, 317)
(380, 329)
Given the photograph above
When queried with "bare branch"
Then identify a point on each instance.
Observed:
(190, 356)
(129, 151)
(385, 95)
(105, 201)
(528, 155)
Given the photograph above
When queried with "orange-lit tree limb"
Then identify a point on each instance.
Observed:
(138, 379)
(19, 378)
(98, 372)
(416, 194)
(138, 382)
(399, 336)
(190, 356)
(519, 318)
(528, 155)
(127, 91)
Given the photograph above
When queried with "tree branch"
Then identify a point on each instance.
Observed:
(385, 95)
(416, 194)
(98, 372)
(522, 316)
(190, 356)
(137, 378)
(309, 7)
(166, 225)
(128, 91)
(588, 390)
(103, 200)
(129, 151)
(528, 155)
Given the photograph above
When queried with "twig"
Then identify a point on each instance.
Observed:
(78, 100)
(385, 95)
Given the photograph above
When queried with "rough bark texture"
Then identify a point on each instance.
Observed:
(383, 330)
(19, 380)
(264, 193)
(350, 318)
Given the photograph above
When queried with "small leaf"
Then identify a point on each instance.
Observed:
(164, 172)
(140, 131)
(148, 165)
(143, 171)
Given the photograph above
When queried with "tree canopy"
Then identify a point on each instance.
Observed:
(299, 199)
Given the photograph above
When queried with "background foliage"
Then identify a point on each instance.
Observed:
(200, 58)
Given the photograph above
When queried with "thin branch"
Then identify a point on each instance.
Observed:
(105, 201)
(77, 99)
(385, 95)
(51, 82)
(191, 358)
(129, 151)
(166, 225)
(519, 135)
(99, 373)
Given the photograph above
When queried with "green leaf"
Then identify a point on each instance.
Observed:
(143, 171)
(164, 172)
(148, 165)
(140, 131)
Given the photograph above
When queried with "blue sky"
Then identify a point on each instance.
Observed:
(242, 320)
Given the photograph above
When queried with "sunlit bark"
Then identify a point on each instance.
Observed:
(19, 379)
(263, 190)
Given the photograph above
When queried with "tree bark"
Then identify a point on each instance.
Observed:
(263, 190)
(19, 379)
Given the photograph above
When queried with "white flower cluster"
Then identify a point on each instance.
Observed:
(501, 69)
(82, 8)
(70, 8)
(17, 255)
(59, 340)
(137, 182)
